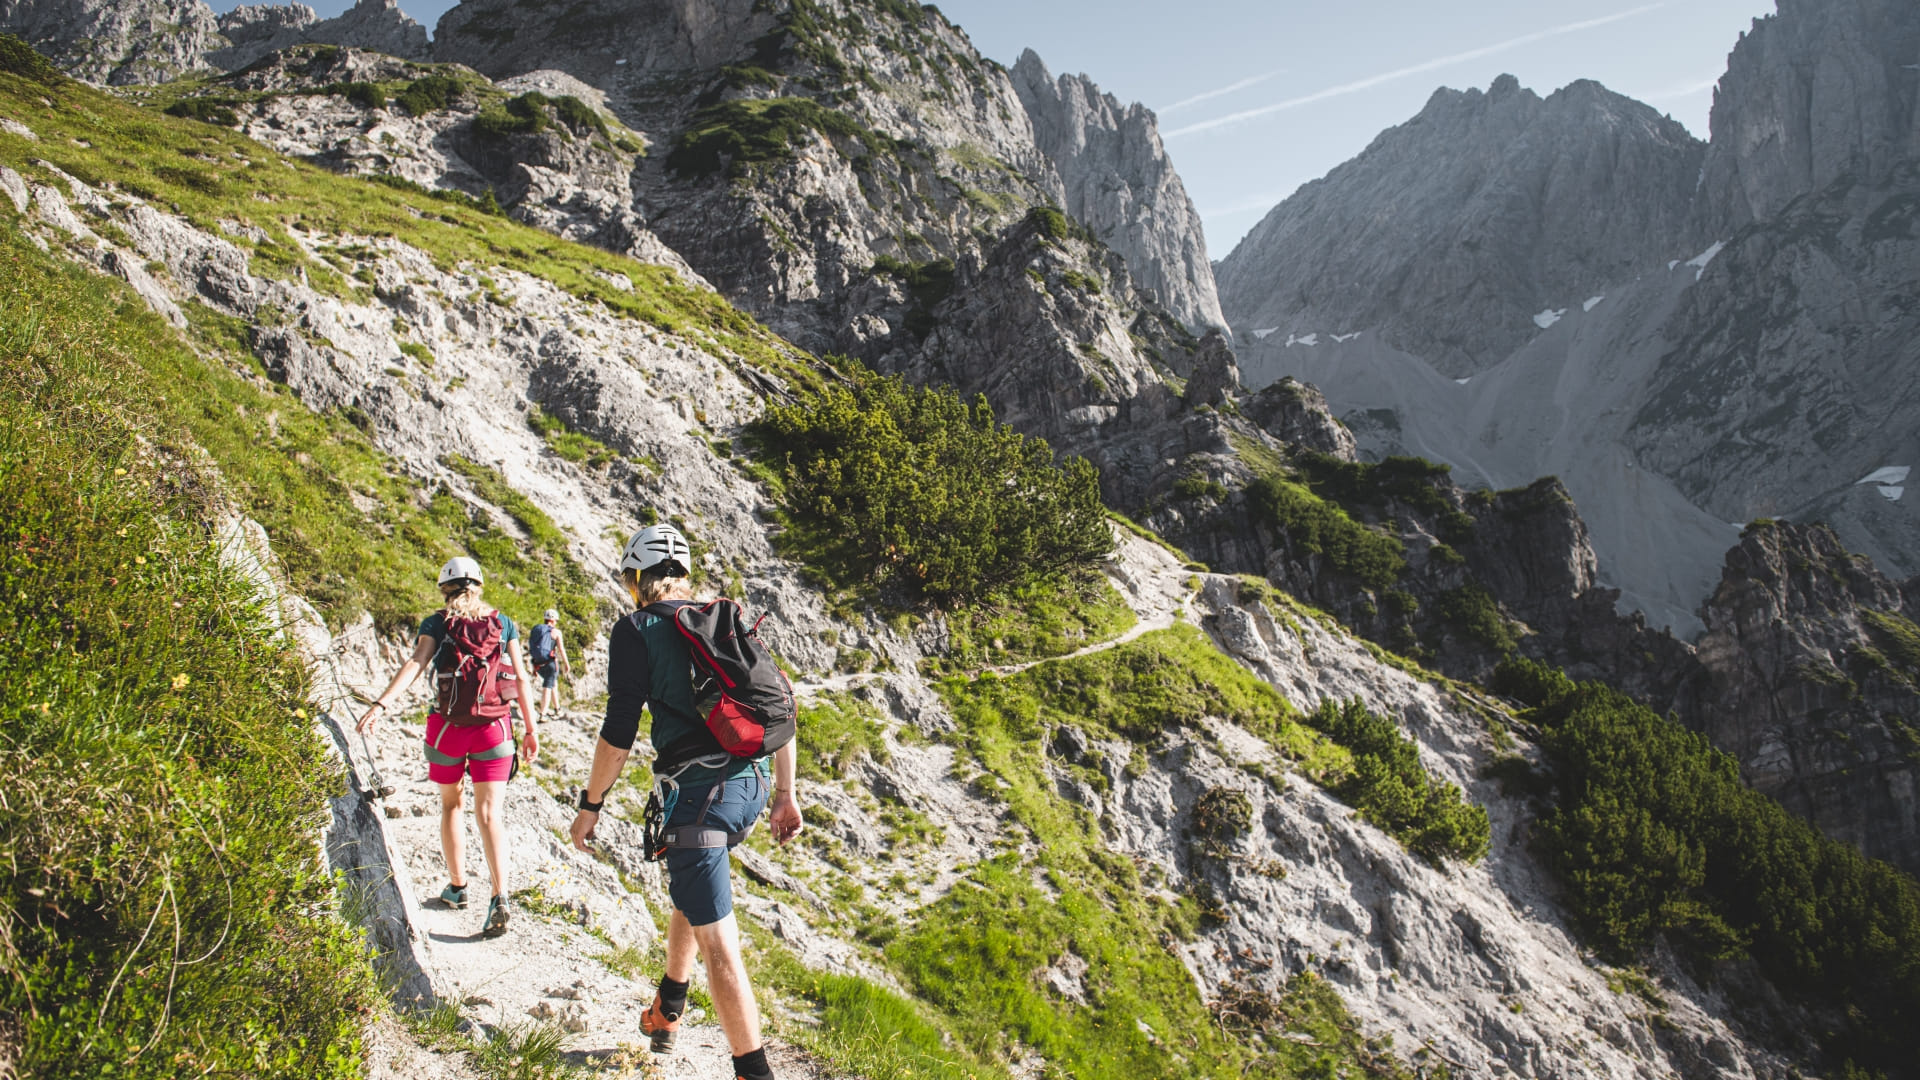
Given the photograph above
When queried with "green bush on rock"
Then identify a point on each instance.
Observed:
(1655, 835)
(1389, 786)
(892, 485)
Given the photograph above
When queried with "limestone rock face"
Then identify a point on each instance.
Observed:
(1121, 184)
(1452, 232)
(1297, 413)
(567, 178)
(1813, 685)
(1791, 376)
(116, 42)
(1215, 378)
(1824, 90)
(373, 25)
(888, 141)
(254, 30)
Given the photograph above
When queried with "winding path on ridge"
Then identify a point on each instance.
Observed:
(549, 966)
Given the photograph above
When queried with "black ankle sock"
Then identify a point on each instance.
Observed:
(673, 997)
(753, 1066)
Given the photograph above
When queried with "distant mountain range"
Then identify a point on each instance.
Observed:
(1691, 335)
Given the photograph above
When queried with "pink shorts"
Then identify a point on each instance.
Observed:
(485, 753)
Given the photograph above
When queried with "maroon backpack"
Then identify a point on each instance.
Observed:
(479, 686)
(754, 713)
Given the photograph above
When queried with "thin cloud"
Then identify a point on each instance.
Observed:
(1401, 73)
(1222, 92)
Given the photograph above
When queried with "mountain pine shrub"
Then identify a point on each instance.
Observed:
(891, 485)
(1655, 835)
(1391, 789)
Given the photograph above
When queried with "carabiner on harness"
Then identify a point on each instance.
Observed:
(661, 800)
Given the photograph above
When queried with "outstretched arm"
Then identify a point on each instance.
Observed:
(422, 652)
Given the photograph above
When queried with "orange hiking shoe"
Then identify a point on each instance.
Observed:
(661, 1025)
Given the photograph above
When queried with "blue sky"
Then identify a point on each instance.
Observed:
(1257, 97)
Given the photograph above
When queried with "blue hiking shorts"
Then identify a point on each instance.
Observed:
(699, 880)
(549, 674)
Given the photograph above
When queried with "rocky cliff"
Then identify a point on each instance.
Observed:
(255, 30)
(122, 42)
(1747, 354)
(1120, 182)
(1451, 234)
(1818, 93)
(116, 41)
(1813, 664)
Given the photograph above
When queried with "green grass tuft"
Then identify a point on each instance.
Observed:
(159, 877)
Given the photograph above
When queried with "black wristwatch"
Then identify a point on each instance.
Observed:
(590, 807)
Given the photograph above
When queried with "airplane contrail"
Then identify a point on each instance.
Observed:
(1222, 92)
(1401, 73)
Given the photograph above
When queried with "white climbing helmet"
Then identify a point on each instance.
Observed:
(653, 545)
(459, 568)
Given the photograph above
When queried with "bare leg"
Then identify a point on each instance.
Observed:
(489, 798)
(727, 983)
(681, 947)
(453, 846)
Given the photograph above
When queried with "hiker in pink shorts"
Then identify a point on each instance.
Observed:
(475, 655)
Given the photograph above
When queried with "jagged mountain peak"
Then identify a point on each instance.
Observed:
(1467, 220)
(1120, 181)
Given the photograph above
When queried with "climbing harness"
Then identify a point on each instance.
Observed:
(657, 837)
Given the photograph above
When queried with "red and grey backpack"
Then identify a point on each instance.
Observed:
(754, 713)
(479, 686)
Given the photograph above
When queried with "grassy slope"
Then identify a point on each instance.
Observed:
(976, 953)
(298, 491)
(162, 910)
(211, 173)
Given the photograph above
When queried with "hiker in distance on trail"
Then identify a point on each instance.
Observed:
(548, 651)
(475, 655)
(720, 708)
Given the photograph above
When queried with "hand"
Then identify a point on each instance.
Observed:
(529, 746)
(787, 822)
(367, 718)
(582, 829)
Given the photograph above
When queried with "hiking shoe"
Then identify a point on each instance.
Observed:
(454, 896)
(662, 1026)
(496, 917)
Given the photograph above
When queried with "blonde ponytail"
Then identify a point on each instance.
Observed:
(464, 602)
(655, 585)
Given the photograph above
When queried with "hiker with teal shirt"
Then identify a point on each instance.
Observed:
(713, 791)
(474, 652)
(548, 651)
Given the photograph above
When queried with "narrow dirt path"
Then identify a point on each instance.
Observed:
(581, 950)
(1153, 582)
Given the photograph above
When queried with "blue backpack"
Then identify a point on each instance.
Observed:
(540, 645)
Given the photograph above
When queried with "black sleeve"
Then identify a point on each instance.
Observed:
(627, 684)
